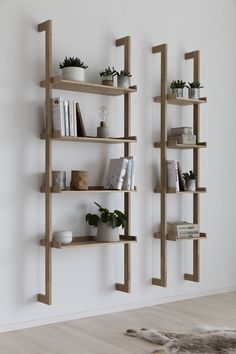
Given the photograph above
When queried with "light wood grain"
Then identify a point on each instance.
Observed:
(172, 190)
(105, 334)
(175, 145)
(173, 99)
(91, 189)
(173, 237)
(87, 87)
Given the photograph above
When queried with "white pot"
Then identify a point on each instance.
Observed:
(194, 93)
(123, 81)
(63, 236)
(191, 185)
(73, 73)
(105, 233)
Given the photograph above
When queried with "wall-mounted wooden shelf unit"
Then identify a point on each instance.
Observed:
(174, 237)
(92, 189)
(49, 84)
(164, 99)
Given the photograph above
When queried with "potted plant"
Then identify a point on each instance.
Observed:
(107, 224)
(178, 87)
(194, 90)
(190, 180)
(73, 69)
(123, 78)
(108, 75)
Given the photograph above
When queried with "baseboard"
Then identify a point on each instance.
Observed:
(108, 310)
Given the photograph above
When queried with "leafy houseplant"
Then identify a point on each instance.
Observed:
(194, 90)
(73, 69)
(177, 87)
(190, 180)
(108, 75)
(107, 223)
(124, 78)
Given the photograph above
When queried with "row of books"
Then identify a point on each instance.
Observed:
(121, 174)
(66, 117)
(175, 178)
(183, 229)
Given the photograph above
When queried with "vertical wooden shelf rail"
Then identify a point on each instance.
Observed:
(162, 281)
(196, 167)
(126, 287)
(47, 297)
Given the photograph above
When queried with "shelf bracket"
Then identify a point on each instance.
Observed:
(47, 28)
(162, 281)
(126, 287)
(195, 56)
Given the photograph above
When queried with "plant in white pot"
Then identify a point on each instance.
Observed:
(177, 87)
(194, 90)
(123, 78)
(107, 76)
(190, 180)
(73, 69)
(107, 224)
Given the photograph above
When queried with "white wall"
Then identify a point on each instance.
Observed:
(83, 279)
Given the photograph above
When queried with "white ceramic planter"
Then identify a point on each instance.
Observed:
(179, 92)
(191, 185)
(63, 236)
(123, 81)
(194, 93)
(105, 233)
(73, 73)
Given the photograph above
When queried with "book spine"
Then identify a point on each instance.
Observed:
(58, 115)
(188, 235)
(127, 181)
(183, 229)
(71, 119)
(172, 175)
(181, 130)
(133, 173)
(75, 118)
(66, 118)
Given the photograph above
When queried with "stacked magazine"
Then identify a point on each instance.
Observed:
(121, 174)
(183, 229)
(66, 117)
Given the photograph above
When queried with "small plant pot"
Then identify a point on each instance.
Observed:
(79, 180)
(105, 233)
(59, 179)
(73, 73)
(191, 185)
(107, 80)
(123, 81)
(194, 93)
(179, 92)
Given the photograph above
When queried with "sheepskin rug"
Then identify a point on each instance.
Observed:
(200, 339)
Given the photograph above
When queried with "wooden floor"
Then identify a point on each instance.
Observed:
(104, 334)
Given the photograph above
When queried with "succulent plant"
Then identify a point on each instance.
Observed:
(194, 84)
(72, 61)
(177, 84)
(108, 72)
(117, 218)
(189, 175)
(123, 73)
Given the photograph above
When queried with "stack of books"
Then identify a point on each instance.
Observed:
(183, 229)
(121, 174)
(66, 117)
(175, 180)
(182, 135)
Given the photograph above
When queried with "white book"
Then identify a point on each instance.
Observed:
(71, 118)
(75, 118)
(133, 173)
(172, 175)
(66, 118)
(181, 130)
(116, 173)
(58, 115)
(182, 226)
(128, 175)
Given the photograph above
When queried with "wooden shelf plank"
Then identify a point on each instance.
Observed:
(175, 145)
(91, 189)
(90, 139)
(173, 237)
(199, 190)
(173, 99)
(79, 241)
(81, 86)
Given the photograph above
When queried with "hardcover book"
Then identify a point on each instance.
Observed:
(58, 115)
(80, 124)
(181, 130)
(172, 175)
(116, 173)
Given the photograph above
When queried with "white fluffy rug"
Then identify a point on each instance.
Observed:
(200, 339)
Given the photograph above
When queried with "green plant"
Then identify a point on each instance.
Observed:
(123, 73)
(177, 84)
(108, 72)
(194, 84)
(191, 175)
(116, 219)
(72, 61)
